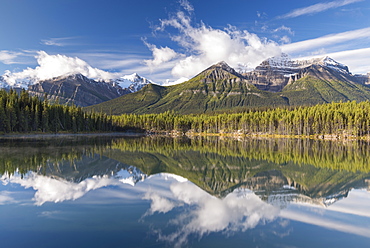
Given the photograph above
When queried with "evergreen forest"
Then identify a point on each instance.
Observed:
(20, 112)
(345, 119)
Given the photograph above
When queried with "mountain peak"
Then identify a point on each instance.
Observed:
(132, 82)
(288, 66)
(220, 70)
(76, 76)
(331, 63)
(224, 66)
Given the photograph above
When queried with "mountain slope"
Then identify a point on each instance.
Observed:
(137, 102)
(276, 82)
(218, 88)
(322, 84)
(75, 89)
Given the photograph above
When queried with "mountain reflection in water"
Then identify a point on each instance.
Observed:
(199, 187)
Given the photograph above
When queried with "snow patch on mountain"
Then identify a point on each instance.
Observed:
(7, 81)
(132, 82)
(57, 66)
(285, 64)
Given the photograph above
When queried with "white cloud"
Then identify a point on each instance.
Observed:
(7, 57)
(339, 46)
(160, 55)
(357, 60)
(51, 66)
(326, 40)
(178, 81)
(316, 8)
(285, 39)
(56, 41)
(283, 28)
(205, 46)
(186, 5)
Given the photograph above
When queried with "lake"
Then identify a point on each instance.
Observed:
(180, 192)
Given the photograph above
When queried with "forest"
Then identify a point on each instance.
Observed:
(20, 112)
(346, 119)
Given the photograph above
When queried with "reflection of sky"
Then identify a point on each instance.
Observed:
(350, 215)
(174, 209)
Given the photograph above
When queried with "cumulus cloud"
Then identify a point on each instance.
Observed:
(160, 55)
(238, 211)
(204, 46)
(178, 81)
(316, 8)
(51, 66)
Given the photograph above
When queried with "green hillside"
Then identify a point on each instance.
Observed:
(310, 91)
(138, 102)
(221, 89)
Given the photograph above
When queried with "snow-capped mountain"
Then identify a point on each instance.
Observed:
(76, 88)
(275, 73)
(285, 63)
(132, 82)
(7, 82)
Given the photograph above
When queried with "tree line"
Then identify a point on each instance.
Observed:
(343, 118)
(20, 112)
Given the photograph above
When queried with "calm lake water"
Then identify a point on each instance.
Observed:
(201, 192)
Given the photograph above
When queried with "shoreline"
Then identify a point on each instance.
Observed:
(332, 137)
(67, 135)
(176, 134)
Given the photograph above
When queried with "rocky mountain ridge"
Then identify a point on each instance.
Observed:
(219, 82)
(275, 73)
(276, 82)
(76, 88)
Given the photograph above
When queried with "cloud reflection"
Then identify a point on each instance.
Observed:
(5, 197)
(238, 211)
(50, 189)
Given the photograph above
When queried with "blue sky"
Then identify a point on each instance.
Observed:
(171, 39)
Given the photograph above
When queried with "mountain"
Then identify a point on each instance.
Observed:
(76, 88)
(275, 73)
(217, 88)
(276, 82)
(132, 82)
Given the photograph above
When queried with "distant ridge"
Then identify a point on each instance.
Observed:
(76, 88)
(276, 82)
